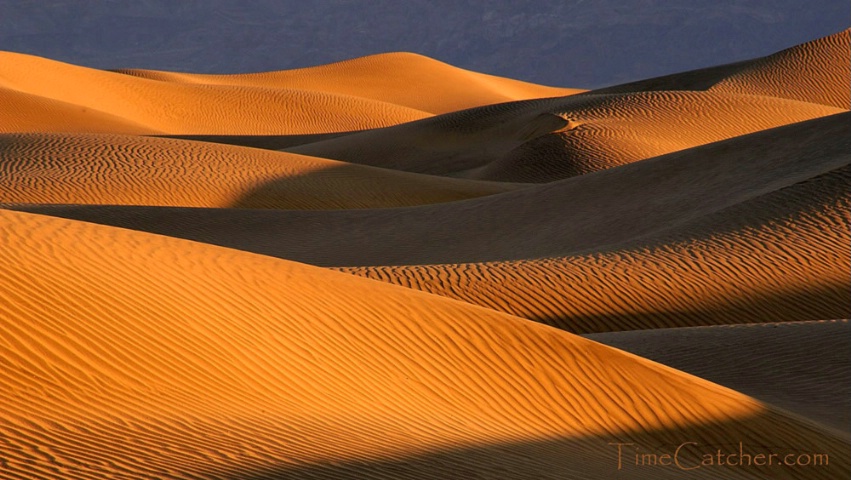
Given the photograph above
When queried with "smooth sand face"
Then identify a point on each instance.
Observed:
(475, 225)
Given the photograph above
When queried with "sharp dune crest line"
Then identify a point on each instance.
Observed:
(130, 170)
(220, 375)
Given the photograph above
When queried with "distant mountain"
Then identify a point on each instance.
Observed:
(576, 43)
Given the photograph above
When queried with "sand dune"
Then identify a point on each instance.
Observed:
(752, 229)
(176, 108)
(586, 213)
(802, 367)
(132, 170)
(817, 72)
(781, 257)
(405, 79)
(500, 210)
(23, 112)
(550, 139)
(244, 363)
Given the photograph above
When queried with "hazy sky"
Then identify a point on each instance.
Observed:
(581, 43)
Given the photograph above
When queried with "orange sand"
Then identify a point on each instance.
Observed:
(705, 199)
(145, 356)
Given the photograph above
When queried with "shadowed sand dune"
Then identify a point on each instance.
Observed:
(784, 256)
(405, 79)
(550, 139)
(752, 229)
(140, 356)
(817, 72)
(802, 367)
(178, 108)
(586, 213)
(131, 170)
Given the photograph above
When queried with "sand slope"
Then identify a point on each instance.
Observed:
(130, 170)
(781, 257)
(586, 213)
(400, 78)
(550, 139)
(752, 229)
(802, 367)
(818, 71)
(177, 108)
(245, 364)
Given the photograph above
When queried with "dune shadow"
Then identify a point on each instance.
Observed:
(643, 455)
(266, 142)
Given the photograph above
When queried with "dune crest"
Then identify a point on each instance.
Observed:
(177, 108)
(550, 139)
(818, 72)
(401, 78)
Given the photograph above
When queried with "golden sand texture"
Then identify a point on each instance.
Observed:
(132, 170)
(818, 71)
(551, 139)
(752, 229)
(178, 108)
(588, 213)
(137, 356)
(400, 78)
(800, 366)
(780, 257)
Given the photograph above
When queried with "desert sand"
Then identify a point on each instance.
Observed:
(391, 267)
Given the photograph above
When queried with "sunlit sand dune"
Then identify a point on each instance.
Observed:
(177, 108)
(130, 170)
(136, 356)
(23, 112)
(405, 79)
(802, 367)
(550, 139)
(817, 72)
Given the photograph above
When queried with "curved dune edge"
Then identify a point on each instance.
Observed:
(799, 366)
(23, 112)
(780, 257)
(128, 170)
(818, 72)
(749, 230)
(400, 78)
(246, 363)
(590, 213)
(175, 108)
(551, 139)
